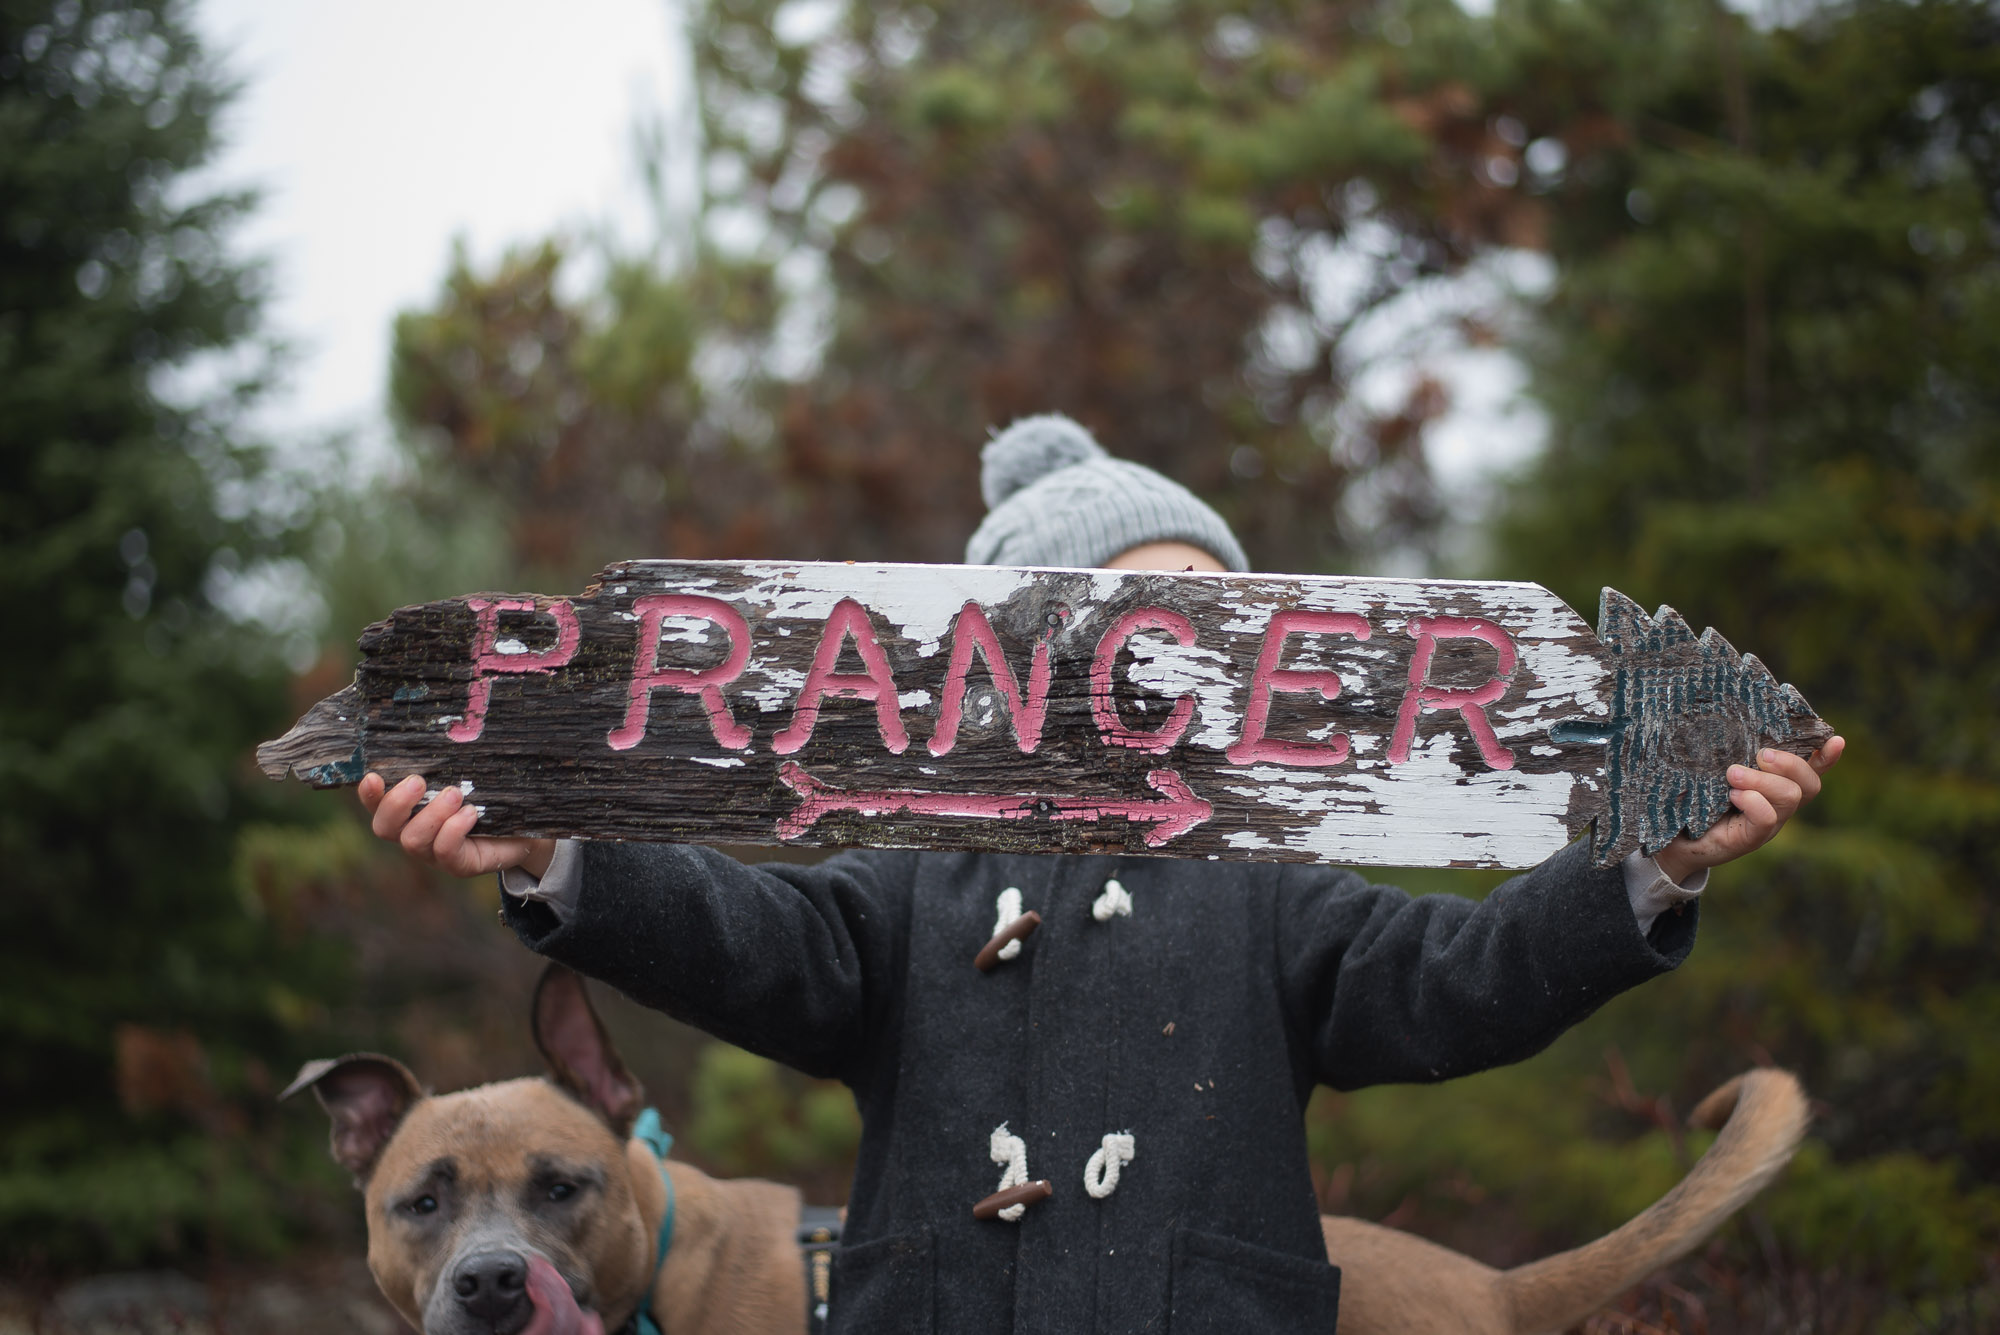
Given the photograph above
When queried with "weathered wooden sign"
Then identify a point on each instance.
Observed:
(1364, 721)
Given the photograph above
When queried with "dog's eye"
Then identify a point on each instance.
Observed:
(424, 1205)
(562, 1191)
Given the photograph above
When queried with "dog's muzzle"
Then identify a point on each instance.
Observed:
(492, 1289)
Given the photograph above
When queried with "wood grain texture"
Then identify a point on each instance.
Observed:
(1362, 721)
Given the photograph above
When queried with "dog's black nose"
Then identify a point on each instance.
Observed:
(492, 1286)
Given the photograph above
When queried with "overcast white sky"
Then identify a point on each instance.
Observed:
(379, 130)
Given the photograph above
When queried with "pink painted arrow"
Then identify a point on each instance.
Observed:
(1177, 811)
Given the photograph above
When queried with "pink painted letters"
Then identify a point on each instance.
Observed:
(1470, 704)
(874, 682)
(973, 631)
(1269, 679)
(1105, 709)
(489, 660)
(648, 676)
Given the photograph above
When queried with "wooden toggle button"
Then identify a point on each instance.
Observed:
(1025, 1194)
(989, 954)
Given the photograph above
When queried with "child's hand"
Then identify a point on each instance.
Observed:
(441, 834)
(1764, 798)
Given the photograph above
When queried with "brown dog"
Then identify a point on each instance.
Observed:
(1394, 1284)
(522, 1208)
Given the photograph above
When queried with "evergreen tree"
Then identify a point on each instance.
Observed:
(1768, 363)
(144, 998)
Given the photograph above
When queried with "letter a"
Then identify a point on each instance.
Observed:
(875, 683)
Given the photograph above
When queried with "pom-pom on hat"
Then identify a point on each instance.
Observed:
(1055, 498)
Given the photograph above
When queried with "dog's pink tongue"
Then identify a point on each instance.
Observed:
(556, 1312)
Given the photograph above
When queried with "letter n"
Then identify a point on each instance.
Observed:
(972, 631)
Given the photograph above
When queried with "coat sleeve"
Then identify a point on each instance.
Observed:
(1380, 987)
(799, 964)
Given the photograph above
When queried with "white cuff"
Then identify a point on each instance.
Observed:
(557, 887)
(1652, 891)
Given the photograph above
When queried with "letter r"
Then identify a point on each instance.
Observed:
(648, 676)
(1470, 703)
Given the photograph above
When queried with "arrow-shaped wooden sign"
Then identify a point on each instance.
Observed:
(1290, 718)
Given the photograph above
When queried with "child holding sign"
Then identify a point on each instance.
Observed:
(1141, 1034)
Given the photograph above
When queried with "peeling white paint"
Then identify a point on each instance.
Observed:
(779, 688)
(1428, 810)
(689, 630)
(1173, 669)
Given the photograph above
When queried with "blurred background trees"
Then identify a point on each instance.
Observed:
(1767, 363)
(145, 996)
(1763, 311)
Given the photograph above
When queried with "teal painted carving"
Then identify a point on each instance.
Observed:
(1684, 707)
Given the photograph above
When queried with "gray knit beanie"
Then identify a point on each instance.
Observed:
(1055, 498)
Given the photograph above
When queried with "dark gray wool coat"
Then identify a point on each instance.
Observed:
(1199, 1023)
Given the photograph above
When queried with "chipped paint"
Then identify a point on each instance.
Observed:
(1370, 720)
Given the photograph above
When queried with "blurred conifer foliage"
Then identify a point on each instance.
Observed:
(1111, 211)
(583, 423)
(1768, 362)
(922, 222)
(143, 999)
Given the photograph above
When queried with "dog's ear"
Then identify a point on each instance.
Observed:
(579, 1053)
(365, 1094)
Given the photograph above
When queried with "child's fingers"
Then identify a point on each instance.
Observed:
(370, 791)
(1796, 768)
(1782, 791)
(456, 851)
(1829, 755)
(1756, 809)
(419, 837)
(393, 811)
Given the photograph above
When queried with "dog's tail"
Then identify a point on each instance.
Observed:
(1762, 1115)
